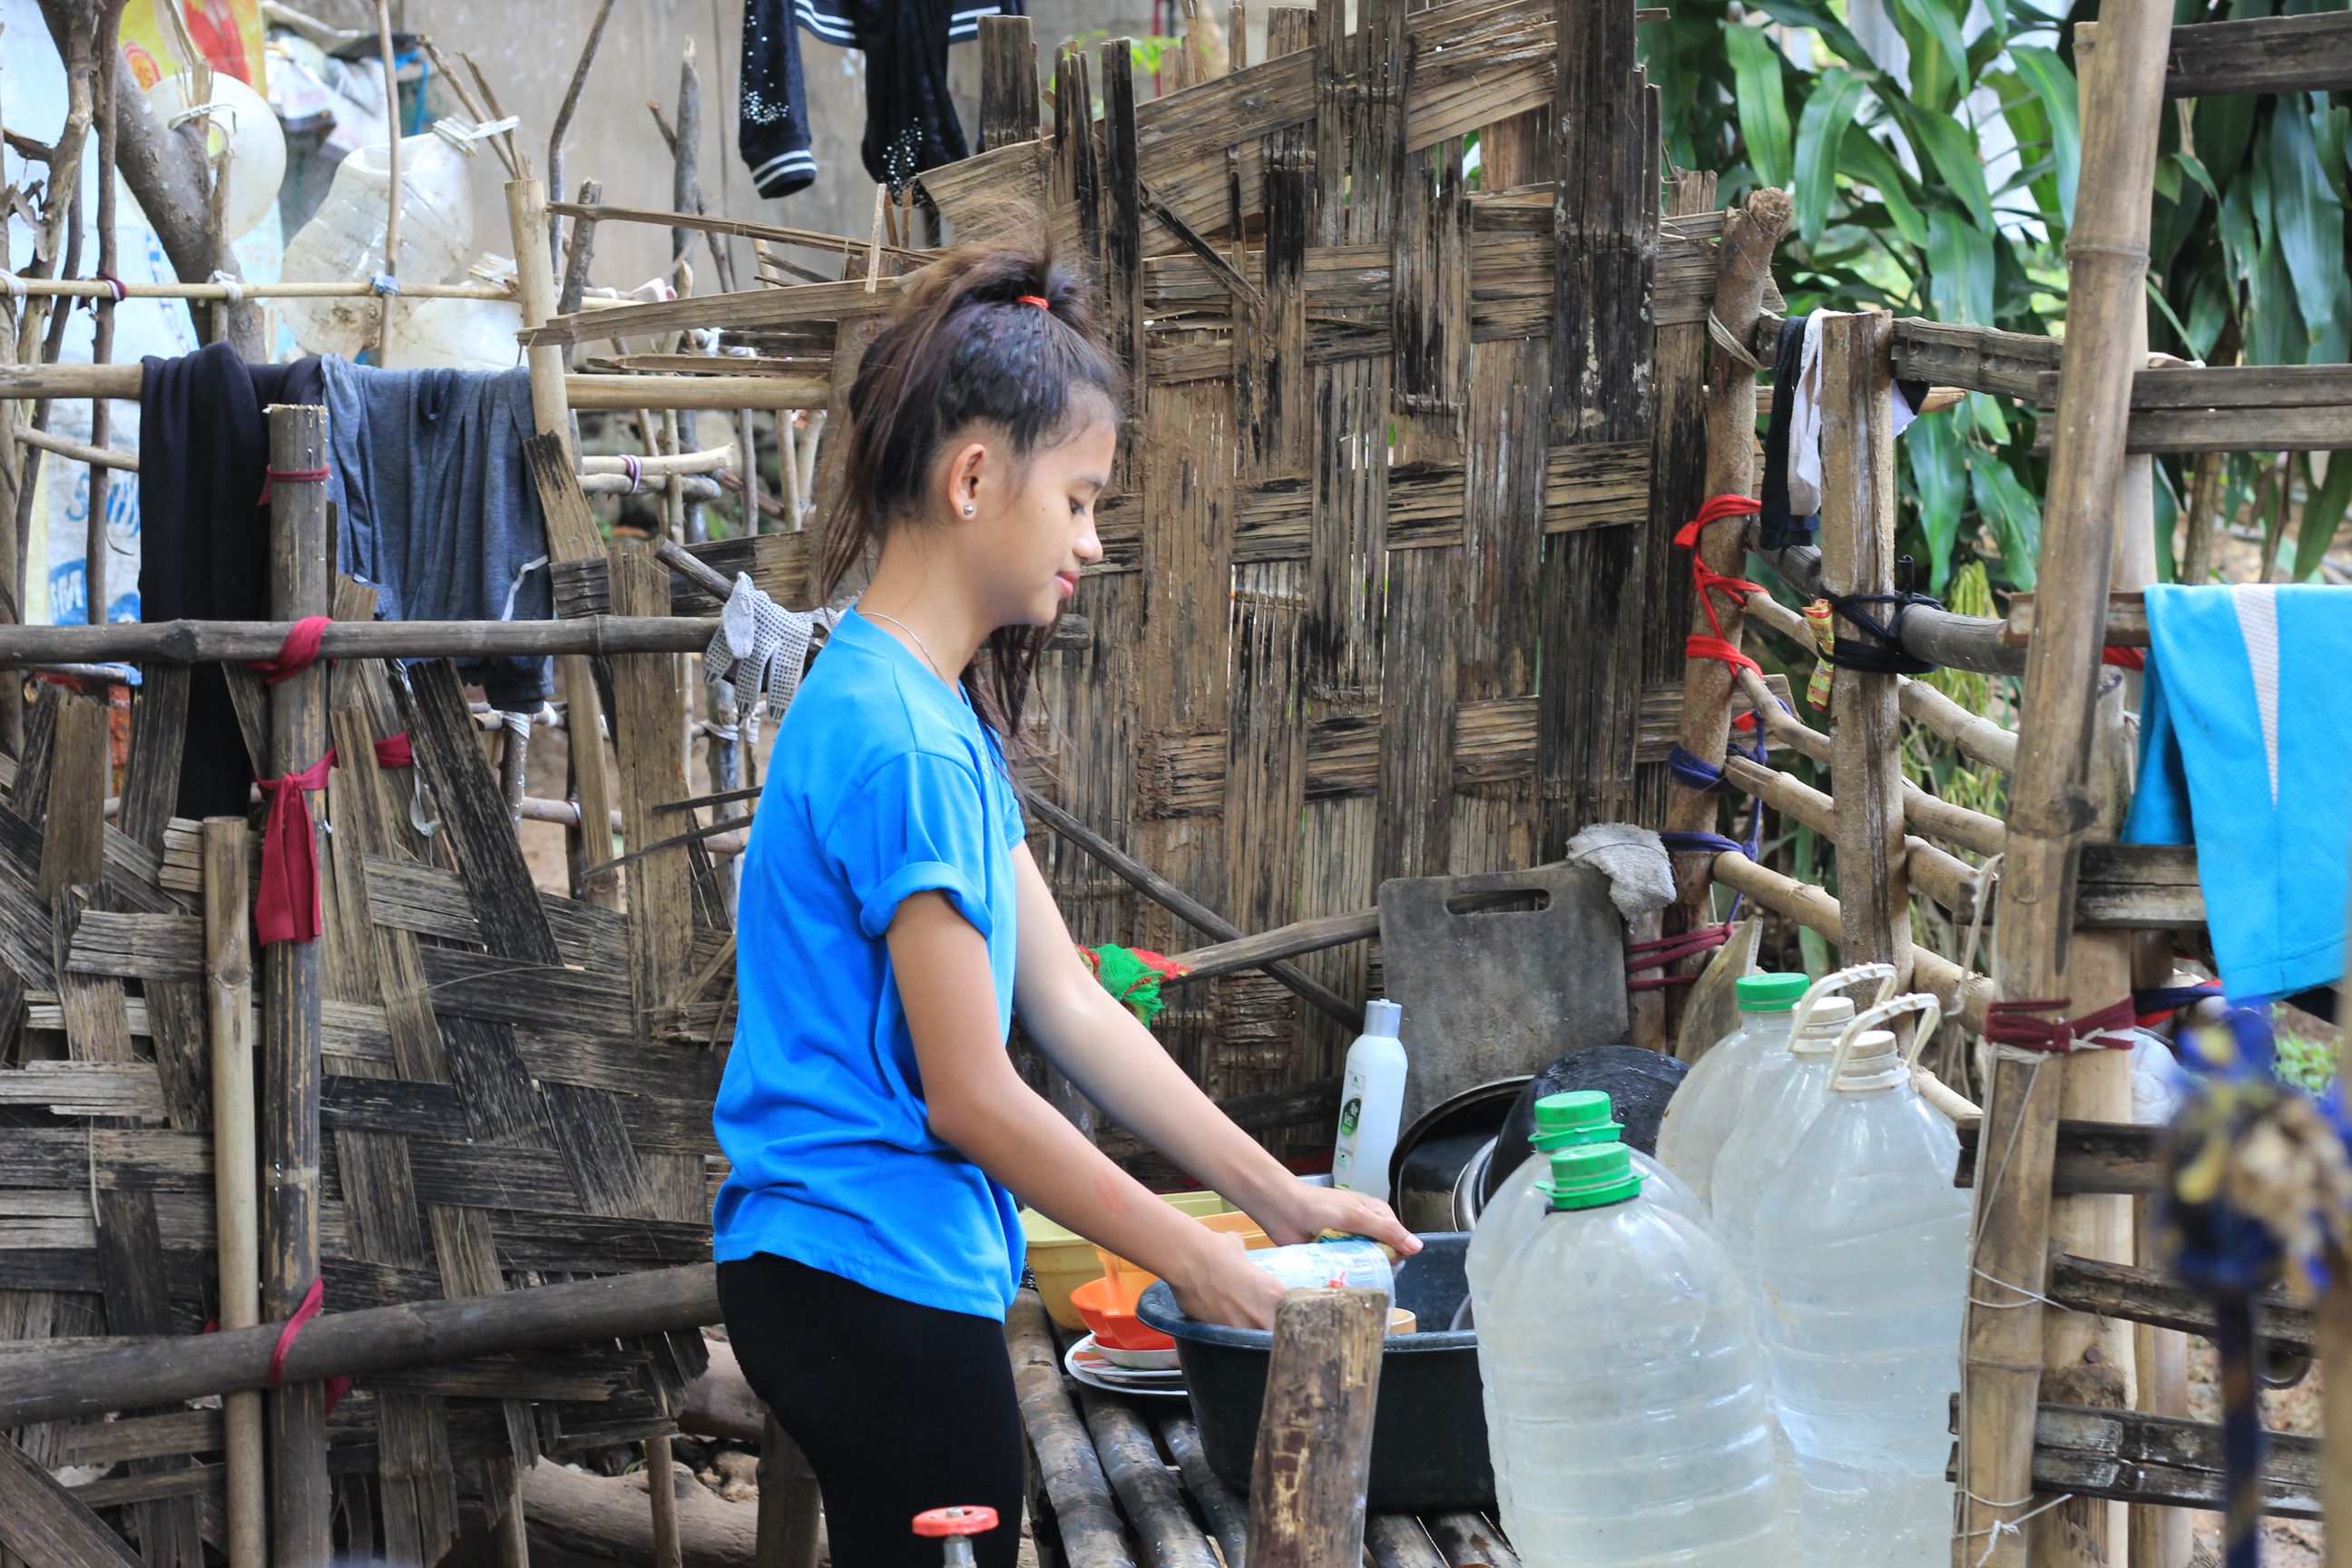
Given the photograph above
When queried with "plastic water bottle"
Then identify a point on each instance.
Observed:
(1581, 1117)
(1626, 1395)
(1371, 1103)
(1789, 1088)
(345, 241)
(1708, 1100)
(1863, 1242)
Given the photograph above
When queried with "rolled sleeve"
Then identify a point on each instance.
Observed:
(916, 825)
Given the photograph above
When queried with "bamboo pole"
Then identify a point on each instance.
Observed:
(205, 642)
(299, 551)
(1751, 232)
(72, 1384)
(1314, 1436)
(1174, 900)
(582, 390)
(392, 186)
(2107, 259)
(95, 551)
(90, 289)
(1858, 558)
(229, 992)
(661, 1492)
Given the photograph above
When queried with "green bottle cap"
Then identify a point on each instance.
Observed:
(1774, 993)
(1580, 1116)
(1588, 1175)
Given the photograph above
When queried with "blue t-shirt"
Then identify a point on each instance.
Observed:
(884, 784)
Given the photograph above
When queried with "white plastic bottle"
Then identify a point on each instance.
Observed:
(1371, 1103)
(1708, 1098)
(1780, 1102)
(1862, 1243)
(1626, 1406)
(1562, 1121)
(344, 243)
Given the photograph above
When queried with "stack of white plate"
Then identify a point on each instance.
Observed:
(1125, 1372)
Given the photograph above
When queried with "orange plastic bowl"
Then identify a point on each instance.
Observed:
(1114, 1325)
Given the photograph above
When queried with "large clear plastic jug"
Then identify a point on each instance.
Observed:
(1562, 1121)
(344, 243)
(1789, 1088)
(1862, 1243)
(1707, 1099)
(1626, 1406)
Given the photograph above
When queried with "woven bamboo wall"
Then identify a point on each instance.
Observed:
(1386, 591)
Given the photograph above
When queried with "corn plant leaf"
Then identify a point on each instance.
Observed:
(1756, 65)
(1938, 58)
(1959, 269)
(1821, 135)
(1863, 157)
(1952, 150)
(1939, 479)
(2323, 513)
(2012, 513)
(2052, 86)
(2307, 216)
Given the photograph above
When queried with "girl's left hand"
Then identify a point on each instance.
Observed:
(1305, 1212)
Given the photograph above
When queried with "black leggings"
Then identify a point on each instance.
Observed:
(899, 1408)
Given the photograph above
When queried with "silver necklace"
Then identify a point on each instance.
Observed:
(878, 616)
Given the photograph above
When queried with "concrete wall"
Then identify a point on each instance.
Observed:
(528, 49)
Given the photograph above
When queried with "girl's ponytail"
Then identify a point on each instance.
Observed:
(999, 334)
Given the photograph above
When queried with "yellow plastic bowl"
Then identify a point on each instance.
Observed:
(1063, 1261)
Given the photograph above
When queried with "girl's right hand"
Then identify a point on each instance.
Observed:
(1221, 1285)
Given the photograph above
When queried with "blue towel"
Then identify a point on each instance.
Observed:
(2242, 721)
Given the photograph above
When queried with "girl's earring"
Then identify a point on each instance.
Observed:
(970, 510)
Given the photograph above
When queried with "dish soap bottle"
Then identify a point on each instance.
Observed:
(1371, 1103)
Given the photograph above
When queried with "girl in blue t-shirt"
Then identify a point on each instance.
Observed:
(892, 922)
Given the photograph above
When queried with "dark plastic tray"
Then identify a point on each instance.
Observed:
(1429, 1428)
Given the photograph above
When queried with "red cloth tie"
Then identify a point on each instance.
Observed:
(1659, 952)
(2022, 1024)
(287, 907)
(1710, 582)
(299, 653)
(269, 477)
(313, 1300)
(2125, 657)
(394, 751)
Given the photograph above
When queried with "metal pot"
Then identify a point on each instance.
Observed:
(1425, 1173)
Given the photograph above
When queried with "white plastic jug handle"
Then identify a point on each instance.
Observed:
(1838, 980)
(1870, 1018)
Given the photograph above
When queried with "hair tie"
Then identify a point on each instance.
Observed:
(1037, 300)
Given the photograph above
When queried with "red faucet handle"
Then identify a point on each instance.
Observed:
(939, 1522)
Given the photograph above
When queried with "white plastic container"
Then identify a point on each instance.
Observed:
(1562, 1121)
(1780, 1102)
(1708, 1098)
(344, 243)
(1626, 1403)
(455, 334)
(1371, 1103)
(1862, 1240)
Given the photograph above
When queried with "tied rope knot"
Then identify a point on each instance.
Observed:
(269, 478)
(287, 908)
(313, 1300)
(1877, 649)
(2024, 1026)
(116, 289)
(1659, 952)
(635, 468)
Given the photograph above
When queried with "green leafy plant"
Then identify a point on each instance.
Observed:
(1933, 149)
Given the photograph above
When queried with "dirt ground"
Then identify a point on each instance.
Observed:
(2287, 1542)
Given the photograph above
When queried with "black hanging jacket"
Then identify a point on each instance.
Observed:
(910, 119)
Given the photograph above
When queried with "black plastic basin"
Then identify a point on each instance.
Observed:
(1429, 1428)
